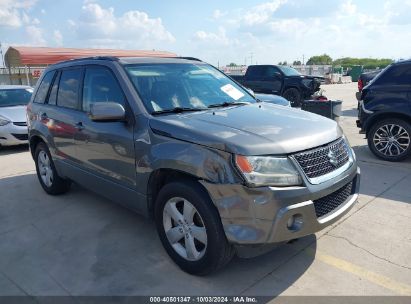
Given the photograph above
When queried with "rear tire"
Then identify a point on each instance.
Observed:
(198, 244)
(390, 139)
(51, 182)
(293, 96)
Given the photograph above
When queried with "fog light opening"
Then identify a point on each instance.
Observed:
(295, 222)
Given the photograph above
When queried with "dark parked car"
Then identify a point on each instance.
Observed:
(280, 80)
(179, 141)
(364, 79)
(385, 112)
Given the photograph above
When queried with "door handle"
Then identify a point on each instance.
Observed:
(43, 116)
(79, 126)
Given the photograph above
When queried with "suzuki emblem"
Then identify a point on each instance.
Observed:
(332, 158)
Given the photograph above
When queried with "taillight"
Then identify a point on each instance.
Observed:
(360, 85)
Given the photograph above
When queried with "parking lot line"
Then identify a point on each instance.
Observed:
(383, 281)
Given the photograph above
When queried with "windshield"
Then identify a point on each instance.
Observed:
(15, 97)
(184, 85)
(288, 71)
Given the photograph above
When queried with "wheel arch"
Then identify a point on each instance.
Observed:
(291, 86)
(34, 141)
(385, 115)
(159, 178)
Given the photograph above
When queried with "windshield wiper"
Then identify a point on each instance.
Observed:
(177, 110)
(227, 104)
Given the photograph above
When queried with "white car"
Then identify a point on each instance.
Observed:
(13, 121)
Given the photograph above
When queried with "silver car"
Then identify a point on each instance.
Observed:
(13, 122)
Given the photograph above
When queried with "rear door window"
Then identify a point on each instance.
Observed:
(100, 85)
(396, 75)
(68, 91)
(44, 87)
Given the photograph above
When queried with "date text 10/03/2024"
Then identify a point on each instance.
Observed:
(204, 299)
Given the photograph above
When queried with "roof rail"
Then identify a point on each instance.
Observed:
(111, 58)
(188, 58)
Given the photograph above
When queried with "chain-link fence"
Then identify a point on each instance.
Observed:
(20, 75)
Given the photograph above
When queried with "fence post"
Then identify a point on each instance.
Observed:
(27, 75)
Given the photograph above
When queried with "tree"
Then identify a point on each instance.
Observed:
(367, 63)
(232, 64)
(297, 62)
(319, 60)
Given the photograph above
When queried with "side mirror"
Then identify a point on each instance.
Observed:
(107, 111)
(277, 75)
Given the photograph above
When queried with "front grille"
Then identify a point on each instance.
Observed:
(20, 124)
(332, 201)
(317, 162)
(21, 136)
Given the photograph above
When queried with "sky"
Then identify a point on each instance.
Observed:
(219, 32)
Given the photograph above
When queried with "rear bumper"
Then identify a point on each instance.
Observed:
(261, 216)
(11, 135)
(362, 118)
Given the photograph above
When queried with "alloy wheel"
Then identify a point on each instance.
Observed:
(46, 172)
(184, 229)
(391, 140)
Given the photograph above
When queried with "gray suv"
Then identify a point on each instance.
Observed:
(177, 140)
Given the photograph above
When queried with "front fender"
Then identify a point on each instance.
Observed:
(204, 163)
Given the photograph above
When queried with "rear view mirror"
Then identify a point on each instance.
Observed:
(107, 111)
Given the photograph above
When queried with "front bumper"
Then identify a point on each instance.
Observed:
(260, 216)
(11, 135)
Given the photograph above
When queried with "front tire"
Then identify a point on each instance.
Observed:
(293, 96)
(49, 180)
(190, 228)
(390, 139)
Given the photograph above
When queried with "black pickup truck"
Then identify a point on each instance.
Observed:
(280, 80)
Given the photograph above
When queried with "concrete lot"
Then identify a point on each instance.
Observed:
(82, 244)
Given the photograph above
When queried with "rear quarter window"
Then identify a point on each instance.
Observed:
(53, 93)
(395, 75)
(44, 87)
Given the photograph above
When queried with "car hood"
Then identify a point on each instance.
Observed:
(256, 129)
(15, 113)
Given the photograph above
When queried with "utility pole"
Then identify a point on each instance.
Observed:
(251, 57)
(303, 60)
(2, 57)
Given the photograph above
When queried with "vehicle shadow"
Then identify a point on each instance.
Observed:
(350, 112)
(389, 180)
(82, 244)
(4, 150)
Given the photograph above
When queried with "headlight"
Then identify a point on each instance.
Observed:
(4, 121)
(267, 170)
(350, 149)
